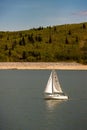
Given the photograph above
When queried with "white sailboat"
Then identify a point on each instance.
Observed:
(53, 89)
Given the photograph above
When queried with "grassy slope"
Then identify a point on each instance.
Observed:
(57, 43)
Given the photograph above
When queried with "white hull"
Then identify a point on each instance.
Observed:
(56, 97)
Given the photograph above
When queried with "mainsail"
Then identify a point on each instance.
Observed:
(53, 85)
(56, 84)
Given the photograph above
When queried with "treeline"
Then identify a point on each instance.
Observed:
(50, 44)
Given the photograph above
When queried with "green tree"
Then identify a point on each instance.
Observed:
(84, 26)
(55, 29)
(69, 32)
(30, 38)
(23, 41)
(50, 39)
(14, 43)
(24, 56)
(67, 41)
(38, 38)
(9, 53)
(6, 47)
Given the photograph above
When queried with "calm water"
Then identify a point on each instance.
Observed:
(22, 106)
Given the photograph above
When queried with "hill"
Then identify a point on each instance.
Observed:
(50, 44)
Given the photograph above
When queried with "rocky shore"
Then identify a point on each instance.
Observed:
(43, 65)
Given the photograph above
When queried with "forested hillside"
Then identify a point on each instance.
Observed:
(50, 44)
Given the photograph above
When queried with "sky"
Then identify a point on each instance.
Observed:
(18, 15)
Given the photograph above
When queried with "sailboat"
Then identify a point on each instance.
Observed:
(53, 89)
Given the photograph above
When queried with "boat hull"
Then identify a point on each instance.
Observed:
(56, 97)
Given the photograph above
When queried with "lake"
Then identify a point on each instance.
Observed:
(22, 106)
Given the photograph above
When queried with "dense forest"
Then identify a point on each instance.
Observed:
(49, 44)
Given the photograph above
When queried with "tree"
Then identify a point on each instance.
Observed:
(24, 56)
(38, 38)
(55, 29)
(14, 44)
(20, 43)
(6, 47)
(69, 32)
(50, 39)
(66, 41)
(84, 26)
(40, 28)
(23, 41)
(8, 38)
(30, 38)
(77, 39)
(9, 52)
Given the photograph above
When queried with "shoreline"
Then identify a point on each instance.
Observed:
(42, 65)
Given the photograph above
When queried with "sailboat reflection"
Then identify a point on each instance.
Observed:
(52, 104)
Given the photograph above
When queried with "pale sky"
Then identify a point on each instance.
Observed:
(26, 14)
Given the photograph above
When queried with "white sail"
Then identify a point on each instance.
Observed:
(53, 85)
(48, 88)
(53, 89)
(56, 84)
